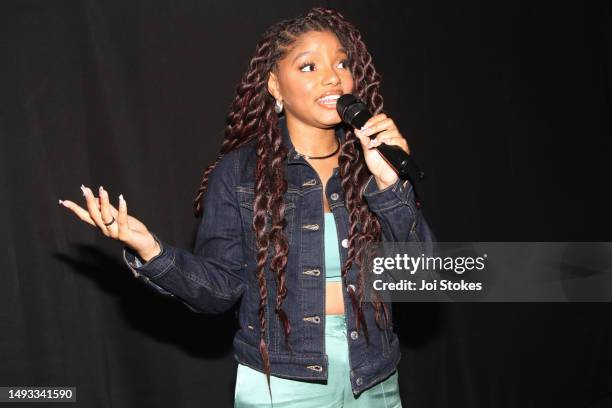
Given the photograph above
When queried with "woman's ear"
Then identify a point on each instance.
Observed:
(273, 86)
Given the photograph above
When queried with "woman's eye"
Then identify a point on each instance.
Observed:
(307, 65)
(310, 66)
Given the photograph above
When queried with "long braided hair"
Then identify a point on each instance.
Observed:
(252, 116)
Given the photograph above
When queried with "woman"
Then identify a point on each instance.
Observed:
(288, 208)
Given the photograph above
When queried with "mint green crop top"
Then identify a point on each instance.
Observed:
(332, 254)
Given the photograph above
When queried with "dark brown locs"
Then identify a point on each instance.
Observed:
(252, 116)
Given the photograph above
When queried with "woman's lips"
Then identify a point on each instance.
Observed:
(329, 101)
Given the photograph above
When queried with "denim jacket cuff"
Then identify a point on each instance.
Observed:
(153, 268)
(398, 193)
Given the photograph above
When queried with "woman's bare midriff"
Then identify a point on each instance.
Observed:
(334, 303)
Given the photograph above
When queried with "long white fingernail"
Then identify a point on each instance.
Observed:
(83, 190)
(61, 202)
(121, 199)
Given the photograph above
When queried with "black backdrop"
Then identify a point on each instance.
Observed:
(507, 105)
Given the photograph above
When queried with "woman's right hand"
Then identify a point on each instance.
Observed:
(125, 228)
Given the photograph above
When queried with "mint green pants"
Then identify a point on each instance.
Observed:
(252, 389)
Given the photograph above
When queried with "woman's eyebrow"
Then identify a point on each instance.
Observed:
(301, 54)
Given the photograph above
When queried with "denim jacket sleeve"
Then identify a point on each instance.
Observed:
(400, 219)
(211, 279)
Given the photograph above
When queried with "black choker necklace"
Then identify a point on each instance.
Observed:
(321, 157)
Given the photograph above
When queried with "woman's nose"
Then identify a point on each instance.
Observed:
(331, 77)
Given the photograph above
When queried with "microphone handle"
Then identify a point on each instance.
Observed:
(401, 161)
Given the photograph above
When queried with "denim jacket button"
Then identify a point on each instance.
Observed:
(312, 227)
(312, 272)
(349, 287)
(316, 368)
(359, 381)
(313, 319)
(345, 243)
(354, 335)
(334, 196)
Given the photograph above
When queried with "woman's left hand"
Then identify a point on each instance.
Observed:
(389, 134)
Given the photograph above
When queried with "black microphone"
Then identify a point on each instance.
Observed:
(355, 113)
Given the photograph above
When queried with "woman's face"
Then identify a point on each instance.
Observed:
(311, 76)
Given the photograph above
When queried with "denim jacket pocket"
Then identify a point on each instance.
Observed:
(246, 198)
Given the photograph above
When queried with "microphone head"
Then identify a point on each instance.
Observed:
(352, 111)
(344, 102)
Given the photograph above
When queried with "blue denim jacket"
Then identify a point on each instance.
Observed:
(221, 270)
